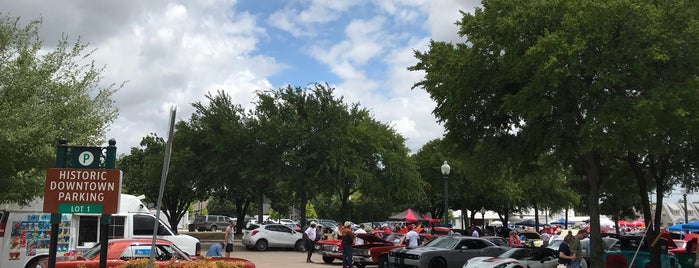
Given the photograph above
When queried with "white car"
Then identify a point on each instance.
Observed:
(272, 236)
(524, 257)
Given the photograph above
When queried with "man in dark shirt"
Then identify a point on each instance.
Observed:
(347, 240)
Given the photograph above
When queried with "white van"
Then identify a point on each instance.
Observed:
(25, 231)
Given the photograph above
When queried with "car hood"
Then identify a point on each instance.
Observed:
(418, 250)
(329, 242)
(488, 261)
(372, 238)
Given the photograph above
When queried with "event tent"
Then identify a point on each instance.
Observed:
(681, 226)
(409, 215)
(562, 221)
(527, 222)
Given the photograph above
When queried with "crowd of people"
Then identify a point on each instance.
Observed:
(569, 252)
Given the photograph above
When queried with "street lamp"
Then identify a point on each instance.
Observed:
(445, 172)
(684, 195)
(483, 216)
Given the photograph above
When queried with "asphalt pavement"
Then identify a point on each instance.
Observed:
(272, 258)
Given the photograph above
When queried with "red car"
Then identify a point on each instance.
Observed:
(375, 249)
(329, 249)
(120, 251)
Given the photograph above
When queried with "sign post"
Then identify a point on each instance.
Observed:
(83, 184)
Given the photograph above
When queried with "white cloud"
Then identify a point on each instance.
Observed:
(301, 18)
(174, 52)
(171, 53)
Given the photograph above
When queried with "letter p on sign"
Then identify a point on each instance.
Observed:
(86, 157)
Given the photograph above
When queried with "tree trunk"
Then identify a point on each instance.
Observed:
(536, 218)
(593, 169)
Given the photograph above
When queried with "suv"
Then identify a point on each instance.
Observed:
(210, 223)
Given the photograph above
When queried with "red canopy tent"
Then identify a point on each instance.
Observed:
(409, 215)
(429, 219)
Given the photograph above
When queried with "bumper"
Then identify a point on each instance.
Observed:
(403, 263)
(363, 260)
(333, 254)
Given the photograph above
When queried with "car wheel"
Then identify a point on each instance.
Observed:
(261, 245)
(213, 228)
(327, 259)
(41, 262)
(437, 263)
(299, 246)
(383, 261)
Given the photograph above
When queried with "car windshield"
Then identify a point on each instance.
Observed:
(443, 242)
(93, 252)
(394, 238)
(531, 235)
(555, 244)
(498, 241)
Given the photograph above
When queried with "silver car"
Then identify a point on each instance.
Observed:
(444, 252)
(272, 236)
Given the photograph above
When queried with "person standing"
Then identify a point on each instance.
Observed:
(565, 254)
(337, 231)
(576, 248)
(310, 233)
(411, 238)
(215, 250)
(545, 237)
(474, 231)
(513, 240)
(347, 240)
(357, 240)
(229, 236)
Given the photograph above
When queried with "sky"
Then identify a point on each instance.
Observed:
(172, 53)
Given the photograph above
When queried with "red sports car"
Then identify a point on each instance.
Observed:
(120, 251)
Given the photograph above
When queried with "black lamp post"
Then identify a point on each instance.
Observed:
(445, 172)
(684, 195)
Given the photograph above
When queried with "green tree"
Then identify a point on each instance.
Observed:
(328, 149)
(45, 95)
(587, 81)
(233, 163)
(184, 184)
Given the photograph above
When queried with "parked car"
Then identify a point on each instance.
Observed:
(210, 223)
(443, 252)
(499, 241)
(329, 249)
(120, 251)
(531, 238)
(531, 257)
(375, 249)
(272, 236)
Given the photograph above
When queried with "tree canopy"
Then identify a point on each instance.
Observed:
(587, 82)
(45, 94)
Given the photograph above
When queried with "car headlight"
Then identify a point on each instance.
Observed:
(362, 252)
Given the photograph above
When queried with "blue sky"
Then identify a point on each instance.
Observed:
(172, 53)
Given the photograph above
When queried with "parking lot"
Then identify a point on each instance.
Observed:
(266, 259)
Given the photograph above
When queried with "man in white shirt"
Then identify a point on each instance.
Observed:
(545, 237)
(411, 238)
(474, 231)
(310, 240)
(357, 240)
